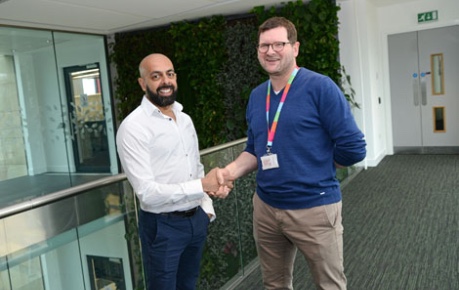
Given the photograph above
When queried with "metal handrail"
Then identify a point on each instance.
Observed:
(75, 190)
(223, 146)
(59, 195)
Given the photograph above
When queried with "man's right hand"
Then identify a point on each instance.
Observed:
(217, 183)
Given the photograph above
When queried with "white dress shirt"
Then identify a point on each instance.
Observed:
(161, 159)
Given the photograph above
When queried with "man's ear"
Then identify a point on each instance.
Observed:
(142, 84)
(296, 48)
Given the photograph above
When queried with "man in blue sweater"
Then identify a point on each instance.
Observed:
(300, 129)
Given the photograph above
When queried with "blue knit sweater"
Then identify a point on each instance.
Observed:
(315, 128)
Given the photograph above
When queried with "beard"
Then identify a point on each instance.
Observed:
(160, 101)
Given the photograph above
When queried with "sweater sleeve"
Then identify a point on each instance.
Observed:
(335, 112)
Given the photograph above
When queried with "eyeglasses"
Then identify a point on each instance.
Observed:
(277, 46)
(156, 76)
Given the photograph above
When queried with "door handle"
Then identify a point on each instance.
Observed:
(423, 89)
(415, 90)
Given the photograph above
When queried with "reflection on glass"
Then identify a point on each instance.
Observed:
(439, 119)
(436, 62)
(4, 280)
(106, 273)
(27, 275)
(87, 115)
(12, 150)
(36, 149)
(46, 248)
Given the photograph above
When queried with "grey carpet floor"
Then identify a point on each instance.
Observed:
(401, 227)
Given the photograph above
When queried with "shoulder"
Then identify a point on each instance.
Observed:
(133, 117)
(310, 76)
(318, 83)
(133, 125)
(261, 88)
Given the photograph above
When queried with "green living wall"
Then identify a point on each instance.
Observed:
(217, 66)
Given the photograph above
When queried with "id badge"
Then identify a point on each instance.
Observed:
(269, 162)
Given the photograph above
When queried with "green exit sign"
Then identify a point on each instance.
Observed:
(427, 16)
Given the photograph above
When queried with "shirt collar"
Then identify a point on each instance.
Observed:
(151, 109)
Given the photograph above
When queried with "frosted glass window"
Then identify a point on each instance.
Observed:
(437, 74)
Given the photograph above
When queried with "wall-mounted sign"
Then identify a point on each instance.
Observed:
(427, 16)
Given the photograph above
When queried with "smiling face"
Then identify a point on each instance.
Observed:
(277, 63)
(158, 80)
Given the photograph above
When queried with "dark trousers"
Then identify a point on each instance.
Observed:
(172, 248)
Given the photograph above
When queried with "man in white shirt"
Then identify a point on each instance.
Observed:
(158, 148)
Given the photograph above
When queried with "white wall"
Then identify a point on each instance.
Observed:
(403, 18)
(358, 53)
(363, 33)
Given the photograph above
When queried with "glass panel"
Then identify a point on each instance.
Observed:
(105, 254)
(106, 273)
(49, 247)
(82, 67)
(34, 108)
(61, 265)
(86, 111)
(4, 280)
(439, 119)
(58, 258)
(27, 275)
(56, 245)
(230, 246)
(129, 205)
(436, 62)
(4, 275)
(230, 250)
(36, 150)
(12, 152)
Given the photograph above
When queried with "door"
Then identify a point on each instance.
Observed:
(424, 80)
(87, 118)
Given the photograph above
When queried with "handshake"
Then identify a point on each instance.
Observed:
(218, 182)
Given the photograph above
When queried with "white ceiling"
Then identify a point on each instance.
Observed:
(111, 16)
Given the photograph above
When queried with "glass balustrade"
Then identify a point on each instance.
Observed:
(86, 237)
(76, 243)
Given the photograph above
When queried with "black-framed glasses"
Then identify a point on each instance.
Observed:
(277, 46)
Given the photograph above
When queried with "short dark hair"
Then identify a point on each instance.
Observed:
(275, 22)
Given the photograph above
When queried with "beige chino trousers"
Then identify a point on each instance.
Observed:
(317, 232)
